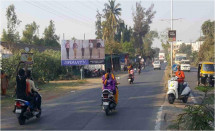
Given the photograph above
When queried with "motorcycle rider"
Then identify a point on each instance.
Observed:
(180, 74)
(32, 91)
(139, 67)
(109, 82)
(131, 71)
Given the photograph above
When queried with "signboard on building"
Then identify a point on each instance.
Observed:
(27, 58)
(82, 52)
(172, 35)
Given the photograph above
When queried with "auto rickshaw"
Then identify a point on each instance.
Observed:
(206, 73)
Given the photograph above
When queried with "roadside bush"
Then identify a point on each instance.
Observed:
(46, 67)
(197, 116)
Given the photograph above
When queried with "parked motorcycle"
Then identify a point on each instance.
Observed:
(173, 91)
(108, 102)
(24, 110)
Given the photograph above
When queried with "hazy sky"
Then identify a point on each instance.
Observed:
(76, 17)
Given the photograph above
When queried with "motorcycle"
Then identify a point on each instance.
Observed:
(24, 111)
(173, 91)
(130, 79)
(108, 102)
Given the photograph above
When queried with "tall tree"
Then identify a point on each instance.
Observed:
(50, 38)
(147, 43)
(112, 12)
(11, 36)
(30, 33)
(98, 25)
(206, 52)
(142, 18)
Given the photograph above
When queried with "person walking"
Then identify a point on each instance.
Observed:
(90, 48)
(67, 46)
(75, 47)
(4, 82)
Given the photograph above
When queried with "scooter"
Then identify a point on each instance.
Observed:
(108, 102)
(24, 110)
(130, 79)
(173, 91)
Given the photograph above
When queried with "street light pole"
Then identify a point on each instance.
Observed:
(171, 29)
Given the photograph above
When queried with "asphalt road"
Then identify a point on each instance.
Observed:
(137, 109)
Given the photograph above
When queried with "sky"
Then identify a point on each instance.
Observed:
(74, 18)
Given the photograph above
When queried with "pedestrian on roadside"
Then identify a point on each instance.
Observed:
(75, 47)
(67, 46)
(4, 82)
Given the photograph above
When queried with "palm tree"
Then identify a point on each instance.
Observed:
(112, 12)
(111, 15)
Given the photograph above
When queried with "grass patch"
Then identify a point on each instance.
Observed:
(60, 84)
(45, 88)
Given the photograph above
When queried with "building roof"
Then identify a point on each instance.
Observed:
(19, 46)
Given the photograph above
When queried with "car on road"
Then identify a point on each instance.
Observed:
(157, 65)
(185, 65)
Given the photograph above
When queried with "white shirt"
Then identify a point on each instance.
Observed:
(90, 45)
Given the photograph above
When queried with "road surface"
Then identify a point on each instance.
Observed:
(137, 109)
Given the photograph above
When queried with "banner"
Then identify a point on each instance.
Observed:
(172, 35)
(82, 52)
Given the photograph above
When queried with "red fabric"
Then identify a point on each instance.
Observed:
(27, 88)
(180, 75)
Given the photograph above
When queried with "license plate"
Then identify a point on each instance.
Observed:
(18, 110)
(105, 103)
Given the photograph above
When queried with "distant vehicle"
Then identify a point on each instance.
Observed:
(161, 57)
(157, 65)
(185, 65)
(179, 57)
(205, 73)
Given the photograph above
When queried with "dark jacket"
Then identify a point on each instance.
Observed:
(21, 87)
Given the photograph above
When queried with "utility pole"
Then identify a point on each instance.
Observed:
(171, 29)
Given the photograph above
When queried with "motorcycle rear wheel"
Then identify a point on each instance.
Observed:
(185, 99)
(21, 120)
(107, 112)
(171, 98)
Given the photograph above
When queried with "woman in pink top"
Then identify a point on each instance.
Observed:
(67, 46)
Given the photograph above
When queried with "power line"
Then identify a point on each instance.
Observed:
(46, 10)
(69, 9)
(69, 17)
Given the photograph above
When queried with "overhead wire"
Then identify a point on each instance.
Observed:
(46, 10)
(75, 12)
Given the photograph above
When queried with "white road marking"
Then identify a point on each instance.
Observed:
(158, 121)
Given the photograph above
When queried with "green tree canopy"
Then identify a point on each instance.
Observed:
(10, 35)
(29, 34)
(98, 25)
(50, 38)
(142, 18)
